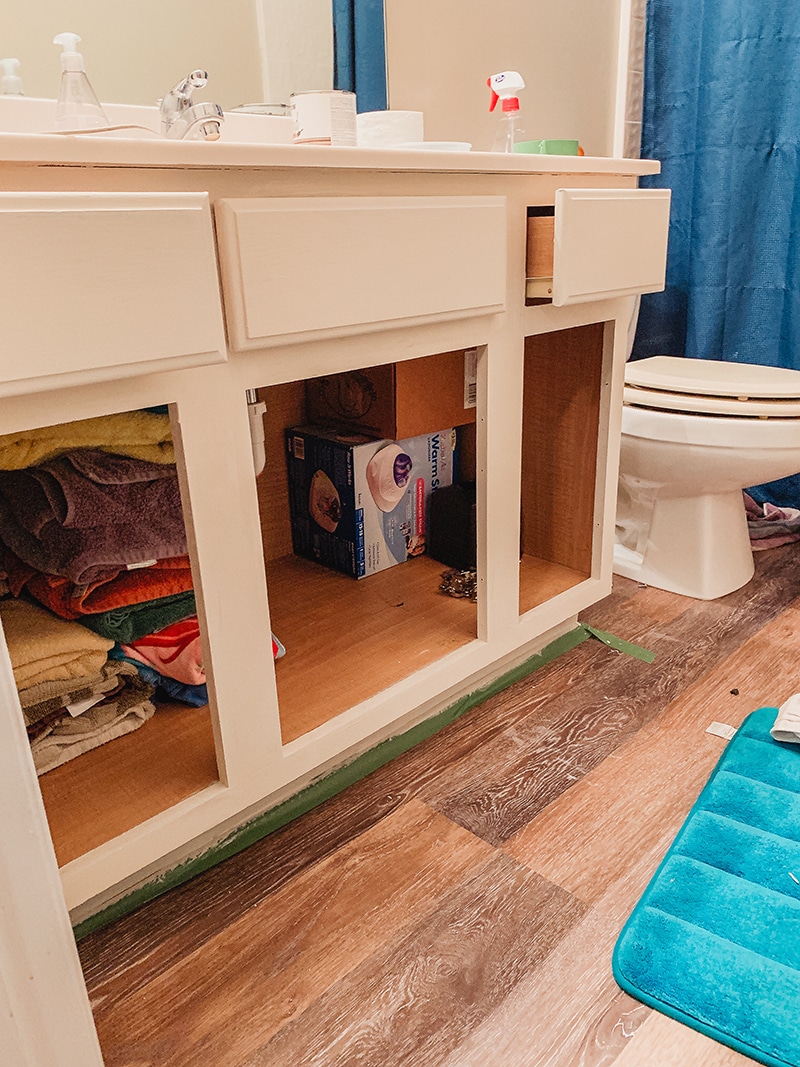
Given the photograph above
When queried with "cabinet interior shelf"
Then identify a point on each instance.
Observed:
(113, 788)
(348, 640)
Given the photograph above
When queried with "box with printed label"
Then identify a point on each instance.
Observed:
(412, 398)
(358, 505)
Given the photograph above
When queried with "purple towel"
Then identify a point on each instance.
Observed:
(86, 513)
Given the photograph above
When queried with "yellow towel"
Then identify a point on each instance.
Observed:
(45, 648)
(142, 434)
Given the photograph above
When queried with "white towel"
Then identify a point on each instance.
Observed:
(787, 723)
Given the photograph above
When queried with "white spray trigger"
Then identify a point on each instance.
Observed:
(504, 86)
(71, 59)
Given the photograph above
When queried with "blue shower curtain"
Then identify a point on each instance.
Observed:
(722, 114)
(359, 51)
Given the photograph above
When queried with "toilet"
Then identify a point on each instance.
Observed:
(696, 432)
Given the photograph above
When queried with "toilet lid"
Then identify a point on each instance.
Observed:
(675, 383)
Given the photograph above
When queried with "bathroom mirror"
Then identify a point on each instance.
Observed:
(253, 50)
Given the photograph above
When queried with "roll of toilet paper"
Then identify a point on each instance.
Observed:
(381, 129)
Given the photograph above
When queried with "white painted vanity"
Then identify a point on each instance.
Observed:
(147, 273)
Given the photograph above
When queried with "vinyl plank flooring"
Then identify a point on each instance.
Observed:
(223, 1001)
(663, 1042)
(375, 929)
(157, 934)
(593, 822)
(494, 792)
(568, 1012)
(414, 1003)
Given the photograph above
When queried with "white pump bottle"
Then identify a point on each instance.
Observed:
(77, 107)
(10, 83)
(504, 87)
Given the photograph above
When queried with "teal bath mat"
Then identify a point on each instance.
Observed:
(714, 941)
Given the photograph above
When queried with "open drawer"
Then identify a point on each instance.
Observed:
(598, 243)
(96, 286)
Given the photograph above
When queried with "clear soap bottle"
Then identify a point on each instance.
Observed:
(77, 107)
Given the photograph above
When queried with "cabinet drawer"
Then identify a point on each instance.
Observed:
(298, 266)
(96, 286)
(600, 243)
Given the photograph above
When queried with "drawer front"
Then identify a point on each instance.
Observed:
(298, 266)
(608, 243)
(599, 243)
(95, 286)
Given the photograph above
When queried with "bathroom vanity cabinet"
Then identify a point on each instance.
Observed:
(136, 275)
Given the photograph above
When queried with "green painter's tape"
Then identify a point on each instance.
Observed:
(340, 779)
(621, 646)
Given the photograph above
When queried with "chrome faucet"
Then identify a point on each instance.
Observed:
(181, 118)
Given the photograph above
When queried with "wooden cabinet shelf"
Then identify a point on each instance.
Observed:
(96, 797)
(348, 640)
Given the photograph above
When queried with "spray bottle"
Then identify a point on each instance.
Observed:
(504, 87)
(77, 107)
(10, 83)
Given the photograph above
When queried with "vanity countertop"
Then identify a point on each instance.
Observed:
(36, 149)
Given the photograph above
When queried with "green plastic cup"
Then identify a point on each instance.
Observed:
(548, 148)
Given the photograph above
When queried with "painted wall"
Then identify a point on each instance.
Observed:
(440, 53)
(254, 50)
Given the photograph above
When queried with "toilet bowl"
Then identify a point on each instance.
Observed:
(695, 433)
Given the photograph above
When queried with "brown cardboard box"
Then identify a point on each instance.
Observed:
(397, 400)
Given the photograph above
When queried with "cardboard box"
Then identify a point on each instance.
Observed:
(348, 511)
(398, 401)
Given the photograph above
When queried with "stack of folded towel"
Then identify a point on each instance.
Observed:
(73, 696)
(92, 530)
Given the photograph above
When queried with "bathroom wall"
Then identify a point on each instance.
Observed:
(440, 54)
(254, 50)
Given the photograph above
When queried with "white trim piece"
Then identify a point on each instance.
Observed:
(621, 93)
(263, 52)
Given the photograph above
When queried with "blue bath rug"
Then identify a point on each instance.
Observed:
(714, 941)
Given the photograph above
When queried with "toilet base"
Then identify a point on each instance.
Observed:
(696, 546)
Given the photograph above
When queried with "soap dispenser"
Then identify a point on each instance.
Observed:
(10, 82)
(77, 107)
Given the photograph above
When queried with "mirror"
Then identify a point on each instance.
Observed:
(254, 50)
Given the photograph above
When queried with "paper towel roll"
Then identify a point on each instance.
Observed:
(378, 129)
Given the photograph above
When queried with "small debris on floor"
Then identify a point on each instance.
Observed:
(460, 584)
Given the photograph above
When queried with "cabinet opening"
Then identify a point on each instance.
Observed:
(539, 255)
(560, 427)
(101, 623)
(367, 510)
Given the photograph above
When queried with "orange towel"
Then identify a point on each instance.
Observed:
(70, 601)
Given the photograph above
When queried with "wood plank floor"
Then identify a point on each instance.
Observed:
(458, 908)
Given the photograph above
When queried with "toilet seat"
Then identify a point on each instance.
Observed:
(712, 387)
